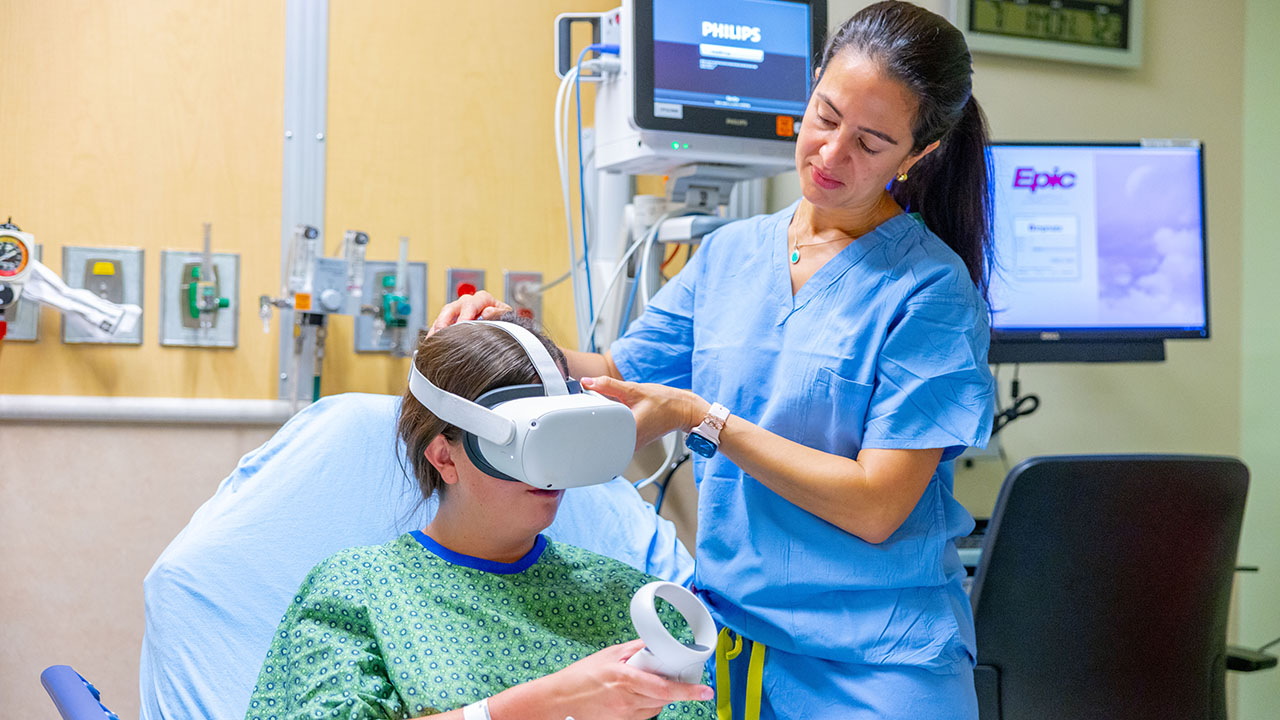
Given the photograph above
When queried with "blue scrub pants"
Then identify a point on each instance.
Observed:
(798, 686)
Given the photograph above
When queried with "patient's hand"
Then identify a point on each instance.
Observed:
(481, 306)
(600, 686)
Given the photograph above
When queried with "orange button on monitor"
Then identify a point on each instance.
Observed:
(786, 126)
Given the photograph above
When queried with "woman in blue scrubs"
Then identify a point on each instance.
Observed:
(832, 359)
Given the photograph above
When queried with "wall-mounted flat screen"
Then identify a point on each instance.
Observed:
(1098, 243)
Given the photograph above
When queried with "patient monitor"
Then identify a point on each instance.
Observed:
(724, 82)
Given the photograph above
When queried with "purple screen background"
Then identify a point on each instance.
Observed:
(1150, 247)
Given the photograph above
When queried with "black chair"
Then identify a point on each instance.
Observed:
(1104, 587)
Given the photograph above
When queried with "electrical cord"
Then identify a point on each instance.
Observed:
(1022, 405)
(561, 122)
(645, 241)
(666, 462)
(626, 312)
(571, 80)
(671, 256)
(613, 282)
(1269, 645)
(666, 481)
(582, 184)
(582, 194)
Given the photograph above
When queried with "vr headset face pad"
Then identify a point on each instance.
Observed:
(561, 441)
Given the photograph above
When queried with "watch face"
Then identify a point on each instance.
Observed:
(13, 257)
(700, 445)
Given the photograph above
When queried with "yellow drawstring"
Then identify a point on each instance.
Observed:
(728, 647)
(755, 681)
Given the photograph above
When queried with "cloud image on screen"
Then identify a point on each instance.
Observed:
(1150, 259)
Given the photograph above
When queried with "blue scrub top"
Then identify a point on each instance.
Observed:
(884, 347)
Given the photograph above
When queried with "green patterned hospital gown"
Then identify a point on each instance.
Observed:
(410, 628)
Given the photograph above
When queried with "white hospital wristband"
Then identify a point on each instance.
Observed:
(476, 711)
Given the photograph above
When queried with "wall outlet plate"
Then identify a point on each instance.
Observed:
(175, 317)
(111, 273)
(24, 318)
(366, 340)
(518, 292)
(462, 281)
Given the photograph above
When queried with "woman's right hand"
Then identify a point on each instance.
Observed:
(600, 686)
(480, 306)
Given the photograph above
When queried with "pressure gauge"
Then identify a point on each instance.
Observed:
(15, 255)
(15, 262)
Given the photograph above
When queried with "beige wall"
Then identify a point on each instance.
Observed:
(1259, 694)
(85, 509)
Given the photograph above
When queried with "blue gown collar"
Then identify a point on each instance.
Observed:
(477, 563)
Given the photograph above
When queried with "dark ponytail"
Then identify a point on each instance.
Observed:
(950, 186)
(950, 190)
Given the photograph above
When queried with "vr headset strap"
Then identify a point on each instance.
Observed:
(469, 416)
(552, 381)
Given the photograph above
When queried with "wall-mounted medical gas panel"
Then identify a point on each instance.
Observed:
(523, 292)
(462, 281)
(379, 289)
(199, 311)
(113, 274)
(24, 318)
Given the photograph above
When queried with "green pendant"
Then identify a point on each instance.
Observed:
(795, 256)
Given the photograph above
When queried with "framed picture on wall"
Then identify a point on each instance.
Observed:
(1096, 32)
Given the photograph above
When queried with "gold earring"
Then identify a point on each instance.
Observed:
(902, 177)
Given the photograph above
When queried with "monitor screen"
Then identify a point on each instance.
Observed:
(1098, 241)
(737, 67)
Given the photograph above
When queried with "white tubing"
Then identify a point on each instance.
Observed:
(180, 411)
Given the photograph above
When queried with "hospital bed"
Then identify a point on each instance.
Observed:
(333, 477)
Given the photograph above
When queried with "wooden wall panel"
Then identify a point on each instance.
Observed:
(440, 129)
(130, 124)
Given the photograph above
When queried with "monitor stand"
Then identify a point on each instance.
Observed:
(1072, 352)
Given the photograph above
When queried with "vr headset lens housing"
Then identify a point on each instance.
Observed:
(550, 436)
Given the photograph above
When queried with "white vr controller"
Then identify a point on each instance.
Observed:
(663, 654)
(550, 436)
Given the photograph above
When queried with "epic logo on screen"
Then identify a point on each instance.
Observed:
(1028, 178)
(725, 31)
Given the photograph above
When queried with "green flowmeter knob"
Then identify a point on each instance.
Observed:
(388, 281)
(224, 303)
(395, 311)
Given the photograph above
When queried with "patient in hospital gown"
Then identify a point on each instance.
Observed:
(419, 626)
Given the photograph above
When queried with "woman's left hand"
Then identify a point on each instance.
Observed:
(658, 408)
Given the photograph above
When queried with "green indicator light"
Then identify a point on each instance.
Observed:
(686, 146)
(675, 146)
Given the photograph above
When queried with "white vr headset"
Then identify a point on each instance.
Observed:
(551, 436)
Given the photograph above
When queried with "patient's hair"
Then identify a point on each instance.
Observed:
(467, 360)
